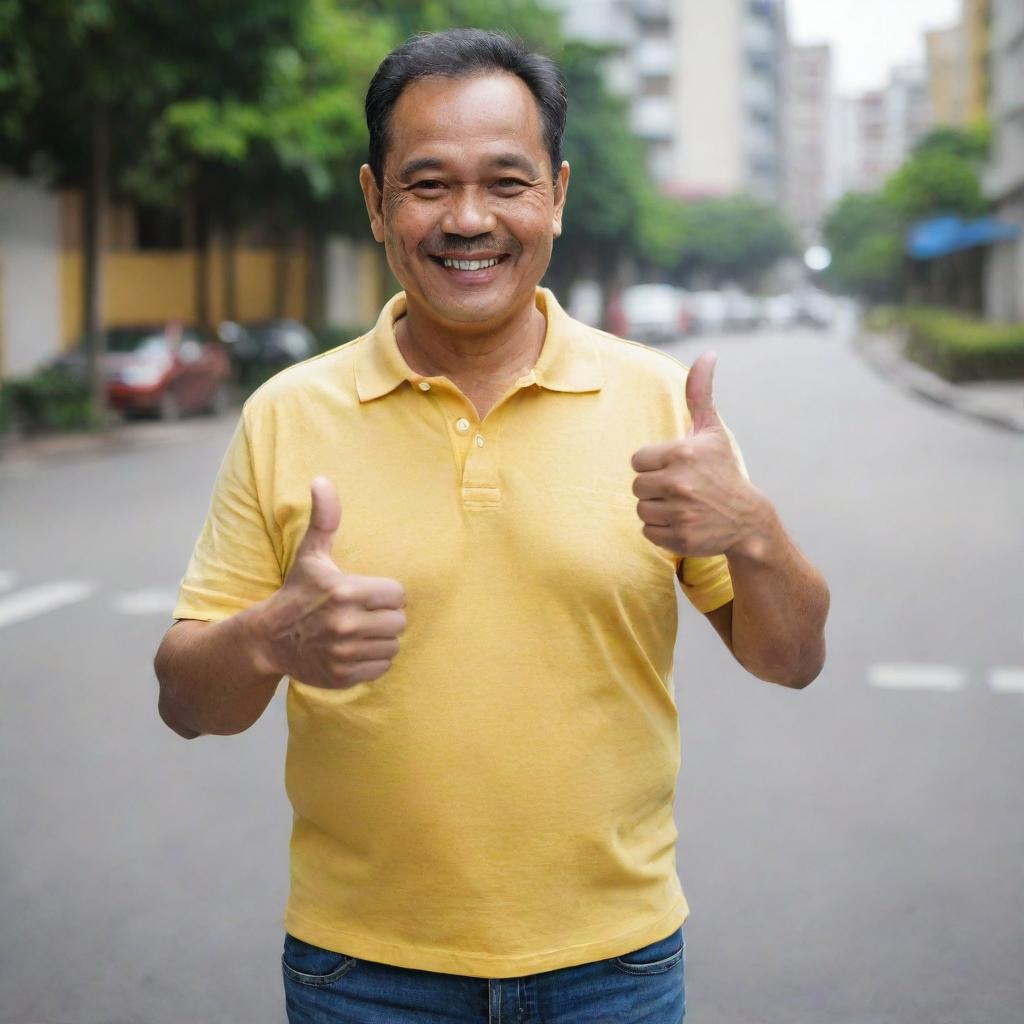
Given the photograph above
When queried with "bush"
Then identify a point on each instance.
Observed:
(960, 348)
(51, 399)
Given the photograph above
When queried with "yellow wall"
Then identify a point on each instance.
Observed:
(143, 287)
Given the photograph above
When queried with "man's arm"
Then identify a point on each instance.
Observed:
(695, 500)
(775, 624)
(326, 627)
(210, 678)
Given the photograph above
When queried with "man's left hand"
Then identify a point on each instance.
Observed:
(694, 498)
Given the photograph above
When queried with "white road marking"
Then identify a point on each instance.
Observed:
(146, 602)
(944, 678)
(26, 604)
(1006, 680)
(6, 580)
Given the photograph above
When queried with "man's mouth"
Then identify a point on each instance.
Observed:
(463, 264)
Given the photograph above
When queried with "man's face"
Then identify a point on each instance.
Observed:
(469, 207)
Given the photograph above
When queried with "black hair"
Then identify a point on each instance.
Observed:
(460, 53)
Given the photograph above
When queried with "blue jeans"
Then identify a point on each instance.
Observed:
(642, 987)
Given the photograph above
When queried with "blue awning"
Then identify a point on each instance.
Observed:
(939, 236)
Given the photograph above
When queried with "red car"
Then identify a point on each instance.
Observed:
(166, 370)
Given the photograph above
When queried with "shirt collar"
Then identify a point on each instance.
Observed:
(568, 360)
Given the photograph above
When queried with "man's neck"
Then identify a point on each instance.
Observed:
(482, 363)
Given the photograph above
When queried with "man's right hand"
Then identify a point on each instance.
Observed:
(326, 627)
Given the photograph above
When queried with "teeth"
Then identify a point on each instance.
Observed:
(471, 264)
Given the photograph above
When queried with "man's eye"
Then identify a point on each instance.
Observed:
(429, 185)
(510, 183)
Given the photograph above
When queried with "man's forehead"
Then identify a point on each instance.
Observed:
(482, 110)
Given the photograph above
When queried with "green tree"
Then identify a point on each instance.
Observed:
(84, 84)
(942, 175)
(732, 238)
(865, 237)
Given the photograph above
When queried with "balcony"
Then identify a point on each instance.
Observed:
(652, 117)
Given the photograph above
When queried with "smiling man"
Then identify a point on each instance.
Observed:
(460, 537)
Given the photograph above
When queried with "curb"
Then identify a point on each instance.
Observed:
(21, 451)
(999, 405)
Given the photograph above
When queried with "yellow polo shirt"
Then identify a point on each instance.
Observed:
(500, 802)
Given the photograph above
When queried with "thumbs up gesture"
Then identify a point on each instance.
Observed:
(694, 498)
(326, 627)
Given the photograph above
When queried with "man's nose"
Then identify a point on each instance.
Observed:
(469, 214)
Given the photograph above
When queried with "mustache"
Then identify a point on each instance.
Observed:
(452, 245)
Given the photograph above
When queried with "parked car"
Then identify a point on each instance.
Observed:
(709, 310)
(166, 370)
(650, 312)
(262, 348)
(742, 311)
(780, 310)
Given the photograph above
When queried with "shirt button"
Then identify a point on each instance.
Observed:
(424, 386)
(462, 425)
(479, 441)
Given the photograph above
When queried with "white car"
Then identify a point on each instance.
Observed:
(780, 310)
(651, 313)
(708, 310)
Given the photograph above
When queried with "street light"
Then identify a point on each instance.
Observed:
(817, 257)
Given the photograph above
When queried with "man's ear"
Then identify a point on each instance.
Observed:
(561, 187)
(374, 201)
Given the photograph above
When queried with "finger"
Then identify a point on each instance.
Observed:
(324, 518)
(374, 592)
(654, 513)
(660, 535)
(652, 456)
(384, 624)
(360, 672)
(652, 485)
(366, 650)
(699, 393)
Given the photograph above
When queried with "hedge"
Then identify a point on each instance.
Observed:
(51, 399)
(956, 347)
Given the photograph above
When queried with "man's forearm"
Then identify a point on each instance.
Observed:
(780, 604)
(211, 680)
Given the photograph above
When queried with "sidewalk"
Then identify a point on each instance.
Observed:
(998, 402)
(16, 451)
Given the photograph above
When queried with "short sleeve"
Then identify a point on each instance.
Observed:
(234, 563)
(706, 581)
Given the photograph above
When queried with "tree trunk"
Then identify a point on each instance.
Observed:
(201, 220)
(94, 208)
(230, 279)
(280, 271)
(316, 244)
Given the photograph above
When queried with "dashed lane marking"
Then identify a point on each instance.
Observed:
(26, 604)
(941, 678)
(153, 601)
(1006, 680)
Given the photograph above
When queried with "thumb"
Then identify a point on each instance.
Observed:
(699, 398)
(324, 518)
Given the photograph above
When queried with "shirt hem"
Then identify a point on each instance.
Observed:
(481, 965)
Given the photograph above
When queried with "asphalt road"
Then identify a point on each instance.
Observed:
(853, 853)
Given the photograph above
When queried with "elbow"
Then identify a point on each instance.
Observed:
(795, 672)
(166, 707)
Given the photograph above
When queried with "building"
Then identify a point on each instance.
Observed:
(958, 71)
(878, 129)
(809, 138)
(153, 273)
(1003, 181)
(704, 84)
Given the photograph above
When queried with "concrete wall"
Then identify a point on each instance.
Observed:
(30, 318)
(354, 283)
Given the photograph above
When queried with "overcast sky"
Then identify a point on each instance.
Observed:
(868, 36)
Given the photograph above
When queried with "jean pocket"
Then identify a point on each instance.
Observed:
(656, 958)
(311, 965)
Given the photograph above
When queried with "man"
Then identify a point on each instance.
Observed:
(434, 533)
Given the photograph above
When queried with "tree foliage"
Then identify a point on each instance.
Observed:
(866, 241)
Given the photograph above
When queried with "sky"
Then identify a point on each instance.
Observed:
(868, 36)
